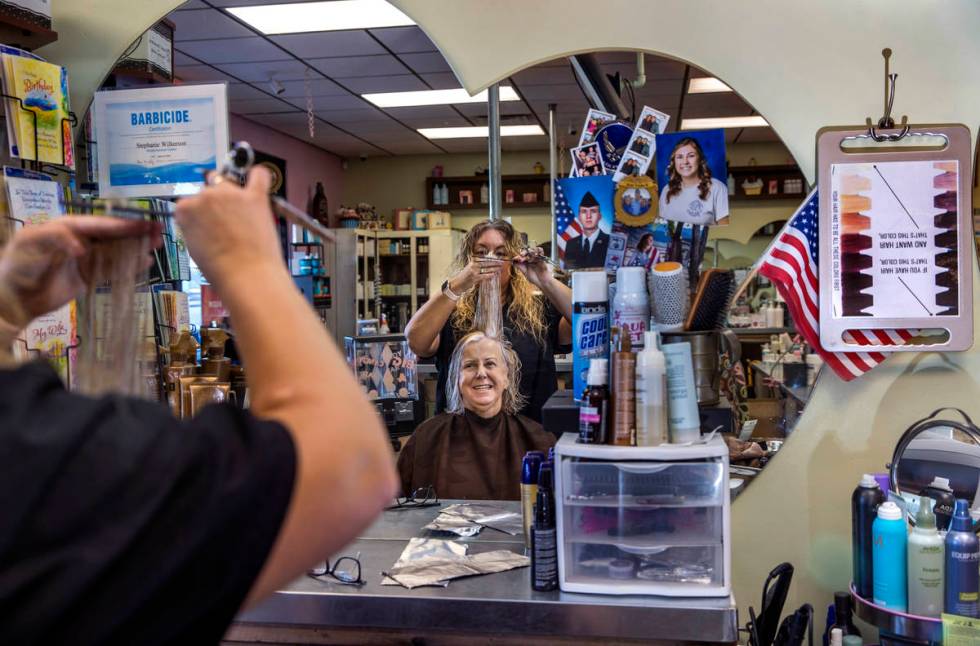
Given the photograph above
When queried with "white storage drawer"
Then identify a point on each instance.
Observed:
(675, 570)
(643, 520)
(645, 484)
(640, 528)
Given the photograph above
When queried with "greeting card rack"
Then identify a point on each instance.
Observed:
(37, 353)
(35, 164)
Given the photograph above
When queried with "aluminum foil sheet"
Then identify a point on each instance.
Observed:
(429, 571)
(467, 519)
(427, 548)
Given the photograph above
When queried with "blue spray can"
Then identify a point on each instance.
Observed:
(962, 563)
(890, 558)
(590, 324)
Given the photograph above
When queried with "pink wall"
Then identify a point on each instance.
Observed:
(305, 164)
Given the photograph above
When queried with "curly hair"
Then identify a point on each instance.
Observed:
(513, 399)
(526, 311)
(704, 173)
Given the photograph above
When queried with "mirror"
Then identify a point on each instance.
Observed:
(943, 449)
(308, 106)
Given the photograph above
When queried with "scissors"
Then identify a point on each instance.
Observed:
(238, 162)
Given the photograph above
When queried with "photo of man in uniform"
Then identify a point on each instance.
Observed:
(589, 248)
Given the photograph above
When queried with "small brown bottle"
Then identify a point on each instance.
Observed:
(623, 432)
(594, 412)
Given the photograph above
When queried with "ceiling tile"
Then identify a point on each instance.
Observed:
(715, 104)
(205, 24)
(656, 87)
(507, 108)
(246, 92)
(545, 76)
(359, 66)
(318, 87)
(664, 69)
(401, 83)
(423, 111)
(190, 4)
(330, 43)
(233, 50)
(426, 63)
(181, 58)
(452, 121)
(758, 135)
(342, 102)
(199, 73)
(442, 80)
(291, 70)
(403, 40)
(254, 106)
(612, 58)
(374, 129)
(420, 146)
(552, 93)
(357, 114)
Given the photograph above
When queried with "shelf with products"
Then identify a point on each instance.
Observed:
(761, 183)
(20, 29)
(465, 193)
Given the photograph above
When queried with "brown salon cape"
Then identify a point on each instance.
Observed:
(470, 457)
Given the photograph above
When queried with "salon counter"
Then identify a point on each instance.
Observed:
(500, 607)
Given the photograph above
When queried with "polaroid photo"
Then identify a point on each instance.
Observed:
(631, 165)
(652, 121)
(586, 161)
(594, 120)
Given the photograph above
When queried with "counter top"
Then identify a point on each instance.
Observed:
(495, 604)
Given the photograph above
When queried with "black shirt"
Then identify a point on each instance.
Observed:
(538, 378)
(121, 525)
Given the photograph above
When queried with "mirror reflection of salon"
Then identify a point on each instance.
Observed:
(383, 162)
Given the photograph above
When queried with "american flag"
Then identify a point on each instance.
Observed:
(791, 264)
(565, 221)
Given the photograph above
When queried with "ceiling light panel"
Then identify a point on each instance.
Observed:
(435, 97)
(302, 17)
(480, 131)
(724, 122)
(706, 84)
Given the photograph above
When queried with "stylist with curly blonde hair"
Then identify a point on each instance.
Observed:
(537, 325)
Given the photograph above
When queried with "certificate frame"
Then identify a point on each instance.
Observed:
(160, 141)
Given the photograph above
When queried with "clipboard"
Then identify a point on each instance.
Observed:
(896, 237)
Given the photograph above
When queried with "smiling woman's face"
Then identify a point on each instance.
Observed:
(686, 161)
(483, 377)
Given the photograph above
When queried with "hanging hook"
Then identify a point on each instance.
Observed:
(886, 122)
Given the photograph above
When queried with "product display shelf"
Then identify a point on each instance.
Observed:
(25, 34)
(519, 184)
(777, 173)
(898, 624)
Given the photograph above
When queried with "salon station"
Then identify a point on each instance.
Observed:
(657, 304)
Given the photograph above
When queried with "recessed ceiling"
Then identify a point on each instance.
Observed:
(270, 77)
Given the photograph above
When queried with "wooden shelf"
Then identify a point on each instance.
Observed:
(767, 174)
(25, 34)
(520, 184)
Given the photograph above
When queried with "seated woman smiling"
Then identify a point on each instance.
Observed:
(474, 450)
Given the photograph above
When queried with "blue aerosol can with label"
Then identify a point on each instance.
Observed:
(890, 558)
(590, 324)
(962, 563)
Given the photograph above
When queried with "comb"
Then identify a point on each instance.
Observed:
(710, 305)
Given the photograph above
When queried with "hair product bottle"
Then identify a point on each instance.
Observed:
(624, 391)
(926, 556)
(529, 489)
(590, 324)
(962, 571)
(940, 491)
(544, 538)
(631, 306)
(890, 543)
(864, 510)
(593, 415)
(842, 616)
(652, 425)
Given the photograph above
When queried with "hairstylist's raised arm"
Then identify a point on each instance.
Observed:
(422, 331)
(345, 469)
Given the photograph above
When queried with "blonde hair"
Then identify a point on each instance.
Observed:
(513, 400)
(526, 311)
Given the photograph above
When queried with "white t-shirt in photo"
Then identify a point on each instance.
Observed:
(687, 206)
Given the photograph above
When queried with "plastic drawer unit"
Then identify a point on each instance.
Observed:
(643, 520)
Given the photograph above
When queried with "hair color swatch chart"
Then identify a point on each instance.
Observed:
(894, 232)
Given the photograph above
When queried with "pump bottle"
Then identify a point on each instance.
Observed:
(890, 545)
(652, 424)
(925, 564)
